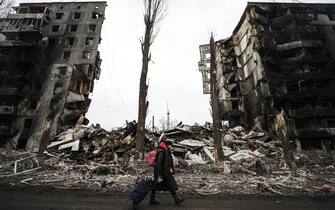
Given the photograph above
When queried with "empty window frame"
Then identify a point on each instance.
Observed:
(76, 16)
(38, 86)
(62, 70)
(69, 41)
(23, 10)
(38, 9)
(33, 105)
(58, 85)
(66, 54)
(55, 28)
(28, 123)
(92, 28)
(95, 15)
(87, 55)
(89, 41)
(52, 41)
(79, 86)
(73, 28)
(59, 15)
(331, 123)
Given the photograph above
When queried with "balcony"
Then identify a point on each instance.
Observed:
(11, 91)
(6, 131)
(27, 25)
(316, 132)
(7, 110)
(310, 113)
(311, 93)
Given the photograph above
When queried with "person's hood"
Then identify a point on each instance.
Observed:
(162, 145)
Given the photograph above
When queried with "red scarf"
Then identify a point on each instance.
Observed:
(163, 146)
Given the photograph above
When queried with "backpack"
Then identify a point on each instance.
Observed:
(151, 157)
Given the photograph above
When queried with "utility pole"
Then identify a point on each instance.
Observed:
(168, 117)
(153, 123)
(218, 152)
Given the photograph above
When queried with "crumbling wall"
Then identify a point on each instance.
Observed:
(228, 83)
(284, 56)
(49, 61)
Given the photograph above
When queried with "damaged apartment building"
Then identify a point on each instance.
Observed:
(280, 57)
(48, 63)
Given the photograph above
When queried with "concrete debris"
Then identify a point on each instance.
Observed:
(243, 154)
(93, 158)
(194, 159)
(192, 143)
(73, 145)
(18, 163)
(209, 189)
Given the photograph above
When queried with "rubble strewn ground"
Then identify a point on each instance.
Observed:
(93, 158)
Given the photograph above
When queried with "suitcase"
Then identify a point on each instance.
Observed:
(141, 190)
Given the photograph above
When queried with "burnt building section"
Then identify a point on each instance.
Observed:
(48, 63)
(280, 57)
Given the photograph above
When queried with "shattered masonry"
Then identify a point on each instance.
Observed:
(281, 56)
(48, 64)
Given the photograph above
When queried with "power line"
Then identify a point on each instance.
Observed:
(117, 89)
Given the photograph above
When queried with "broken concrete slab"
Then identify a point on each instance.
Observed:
(73, 145)
(209, 153)
(192, 143)
(194, 159)
(242, 154)
(73, 97)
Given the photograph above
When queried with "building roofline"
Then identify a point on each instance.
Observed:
(67, 2)
(298, 3)
(255, 3)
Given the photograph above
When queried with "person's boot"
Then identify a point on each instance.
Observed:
(135, 207)
(153, 200)
(177, 200)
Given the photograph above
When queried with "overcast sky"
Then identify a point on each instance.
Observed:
(174, 78)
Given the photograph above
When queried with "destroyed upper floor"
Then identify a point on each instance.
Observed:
(280, 57)
(49, 60)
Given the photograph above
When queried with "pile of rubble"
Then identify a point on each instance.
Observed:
(93, 158)
(85, 144)
(251, 152)
(244, 151)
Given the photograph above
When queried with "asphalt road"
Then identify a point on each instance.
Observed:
(47, 199)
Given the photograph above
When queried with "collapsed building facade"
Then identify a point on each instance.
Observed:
(280, 57)
(48, 63)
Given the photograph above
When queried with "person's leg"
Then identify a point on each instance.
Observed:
(153, 198)
(177, 199)
(135, 206)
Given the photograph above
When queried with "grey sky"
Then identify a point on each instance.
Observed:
(173, 77)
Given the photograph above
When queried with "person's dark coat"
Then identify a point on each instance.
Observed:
(165, 169)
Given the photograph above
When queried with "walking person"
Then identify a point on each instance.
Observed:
(164, 172)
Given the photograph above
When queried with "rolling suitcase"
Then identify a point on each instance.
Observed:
(141, 190)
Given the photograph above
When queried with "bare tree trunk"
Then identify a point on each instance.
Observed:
(154, 12)
(218, 152)
(143, 103)
(282, 133)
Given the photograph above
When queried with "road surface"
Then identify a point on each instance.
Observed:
(56, 199)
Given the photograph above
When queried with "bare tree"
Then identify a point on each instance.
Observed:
(217, 126)
(5, 7)
(154, 12)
